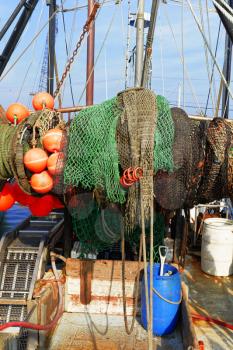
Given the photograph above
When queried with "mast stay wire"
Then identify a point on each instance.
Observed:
(67, 52)
(213, 66)
(183, 64)
(33, 54)
(182, 51)
(210, 51)
(211, 46)
(30, 43)
(72, 31)
(127, 46)
(206, 52)
(101, 47)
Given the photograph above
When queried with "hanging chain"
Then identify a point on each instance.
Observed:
(86, 29)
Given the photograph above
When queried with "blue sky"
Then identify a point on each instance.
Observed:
(167, 74)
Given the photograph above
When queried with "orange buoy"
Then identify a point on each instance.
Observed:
(42, 182)
(35, 160)
(52, 140)
(6, 198)
(43, 100)
(55, 163)
(16, 112)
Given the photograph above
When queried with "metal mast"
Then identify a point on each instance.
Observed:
(29, 7)
(139, 43)
(51, 53)
(227, 72)
(149, 42)
(90, 59)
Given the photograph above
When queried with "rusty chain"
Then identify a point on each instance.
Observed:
(86, 29)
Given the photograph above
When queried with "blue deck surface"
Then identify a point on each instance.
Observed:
(12, 218)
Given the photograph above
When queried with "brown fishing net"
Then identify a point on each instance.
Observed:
(214, 180)
(179, 188)
(135, 143)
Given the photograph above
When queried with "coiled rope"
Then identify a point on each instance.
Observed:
(6, 140)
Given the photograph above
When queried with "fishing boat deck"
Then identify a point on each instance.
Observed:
(84, 331)
(210, 296)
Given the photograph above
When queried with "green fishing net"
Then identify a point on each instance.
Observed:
(93, 161)
(164, 136)
(92, 154)
(159, 231)
(99, 229)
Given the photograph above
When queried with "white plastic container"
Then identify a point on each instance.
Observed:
(217, 247)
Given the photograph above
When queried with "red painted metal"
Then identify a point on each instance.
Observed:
(90, 59)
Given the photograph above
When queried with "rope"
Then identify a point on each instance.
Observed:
(29, 45)
(6, 139)
(206, 52)
(151, 268)
(128, 329)
(67, 51)
(210, 41)
(167, 300)
(127, 46)
(33, 54)
(184, 65)
(210, 51)
(225, 12)
(100, 50)
(143, 234)
(212, 73)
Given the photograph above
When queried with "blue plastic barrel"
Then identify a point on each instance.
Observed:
(165, 314)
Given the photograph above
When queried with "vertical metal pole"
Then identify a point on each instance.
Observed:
(227, 72)
(90, 59)
(51, 54)
(139, 43)
(149, 43)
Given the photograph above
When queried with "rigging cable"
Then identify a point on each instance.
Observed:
(183, 63)
(29, 45)
(182, 49)
(210, 51)
(67, 51)
(127, 45)
(72, 31)
(33, 55)
(100, 50)
(206, 52)
(212, 73)
(211, 46)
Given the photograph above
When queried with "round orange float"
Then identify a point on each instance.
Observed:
(16, 112)
(55, 163)
(6, 198)
(42, 100)
(42, 182)
(35, 160)
(52, 140)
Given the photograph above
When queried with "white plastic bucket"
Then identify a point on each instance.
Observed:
(217, 247)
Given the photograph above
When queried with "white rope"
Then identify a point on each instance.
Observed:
(225, 12)
(127, 46)
(184, 65)
(206, 54)
(100, 50)
(211, 46)
(227, 6)
(33, 54)
(210, 51)
(29, 45)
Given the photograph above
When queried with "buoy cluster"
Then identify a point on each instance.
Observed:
(43, 162)
(42, 206)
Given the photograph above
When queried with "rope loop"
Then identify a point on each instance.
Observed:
(167, 300)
